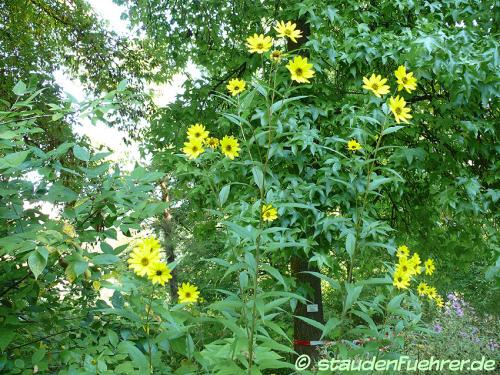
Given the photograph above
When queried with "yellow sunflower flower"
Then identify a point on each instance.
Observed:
(353, 145)
(141, 260)
(399, 109)
(188, 293)
(276, 55)
(403, 251)
(193, 148)
(300, 69)
(376, 84)
(404, 266)
(159, 273)
(405, 80)
(230, 147)
(197, 132)
(269, 213)
(149, 244)
(212, 142)
(432, 292)
(69, 230)
(401, 280)
(258, 43)
(236, 86)
(422, 289)
(415, 264)
(288, 30)
(429, 267)
(439, 301)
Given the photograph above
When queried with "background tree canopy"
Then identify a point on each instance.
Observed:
(70, 304)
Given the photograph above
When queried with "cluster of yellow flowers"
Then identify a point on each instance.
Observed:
(377, 85)
(198, 138)
(145, 260)
(300, 69)
(409, 267)
(405, 80)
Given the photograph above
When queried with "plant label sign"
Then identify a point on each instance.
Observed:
(312, 308)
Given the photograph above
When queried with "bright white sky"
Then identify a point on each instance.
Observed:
(101, 134)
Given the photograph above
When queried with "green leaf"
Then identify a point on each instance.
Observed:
(250, 261)
(392, 129)
(353, 292)
(224, 194)
(239, 230)
(19, 89)
(112, 337)
(277, 106)
(350, 244)
(122, 86)
(395, 303)
(276, 274)
(38, 356)
(135, 355)
(81, 153)
(6, 336)
(37, 261)
(258, 176)
(8, 134)
(330, 326)
(333, 283)
(311, 322)
(13, 160)
(106, 248)
(379, 181)
(104, 259)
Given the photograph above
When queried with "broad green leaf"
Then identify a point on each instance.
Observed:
(135, 355)
(280, 103)
(104, 259)
(311, 322)
(224, 194)
(350, 244)
(353, 292)
(333, 283)
(258, 177)
(6, 337)
(330, 326)
(392, 129)
(122, 85)
(395, 303)
(13, 160)
(37, 261)
(20, 88)
(81, 153)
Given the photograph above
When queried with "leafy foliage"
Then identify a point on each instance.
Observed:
(320, 186)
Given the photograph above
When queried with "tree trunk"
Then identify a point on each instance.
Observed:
(167, 228)
(310, 286)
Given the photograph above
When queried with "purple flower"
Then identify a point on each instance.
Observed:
(492, 345)
(438, 328)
